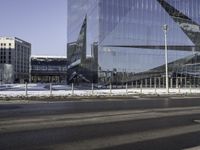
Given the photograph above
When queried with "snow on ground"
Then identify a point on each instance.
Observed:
(43, 90)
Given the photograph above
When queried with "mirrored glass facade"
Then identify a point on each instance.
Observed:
(123, 40)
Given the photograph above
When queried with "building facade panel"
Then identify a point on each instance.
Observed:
(130, 38)
(137, 22)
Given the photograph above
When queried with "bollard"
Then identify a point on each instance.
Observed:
(110, 89)
(92, 88)
(141, 88)
(155, 88)
(176, 82)
(150, 82)
(126, 89)
(185, 82)
(72, 89)
(146, 84)
(190, 88)
(26, 89)
(50, 89)
(155, 82)
(181, 80)
(171, 83)
(179, 89)
(159, 82)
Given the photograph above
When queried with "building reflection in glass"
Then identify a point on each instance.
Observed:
(120, 41)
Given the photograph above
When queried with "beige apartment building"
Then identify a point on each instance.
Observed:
(14, 60)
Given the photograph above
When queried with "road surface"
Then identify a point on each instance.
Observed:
(108, 124)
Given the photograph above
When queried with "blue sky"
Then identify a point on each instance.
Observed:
(43, 23)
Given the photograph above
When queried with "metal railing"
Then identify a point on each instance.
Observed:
(147, 86)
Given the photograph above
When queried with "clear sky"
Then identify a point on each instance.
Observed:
(43, 23)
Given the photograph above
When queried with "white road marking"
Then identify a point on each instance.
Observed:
(197, 121)
(193, 148)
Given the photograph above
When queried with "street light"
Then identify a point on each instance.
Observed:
(165, 28)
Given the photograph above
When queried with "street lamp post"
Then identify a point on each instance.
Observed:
(165, 28)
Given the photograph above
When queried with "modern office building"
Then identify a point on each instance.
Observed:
(122, 41)
(48, 69)
(14, 60)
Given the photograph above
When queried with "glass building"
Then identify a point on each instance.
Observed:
(122, 41)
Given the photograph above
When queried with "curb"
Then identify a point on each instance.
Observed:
(100, 97)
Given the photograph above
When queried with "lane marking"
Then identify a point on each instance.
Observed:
(197, 121)
(193, 148)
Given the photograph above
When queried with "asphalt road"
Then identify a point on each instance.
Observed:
(108, 124)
